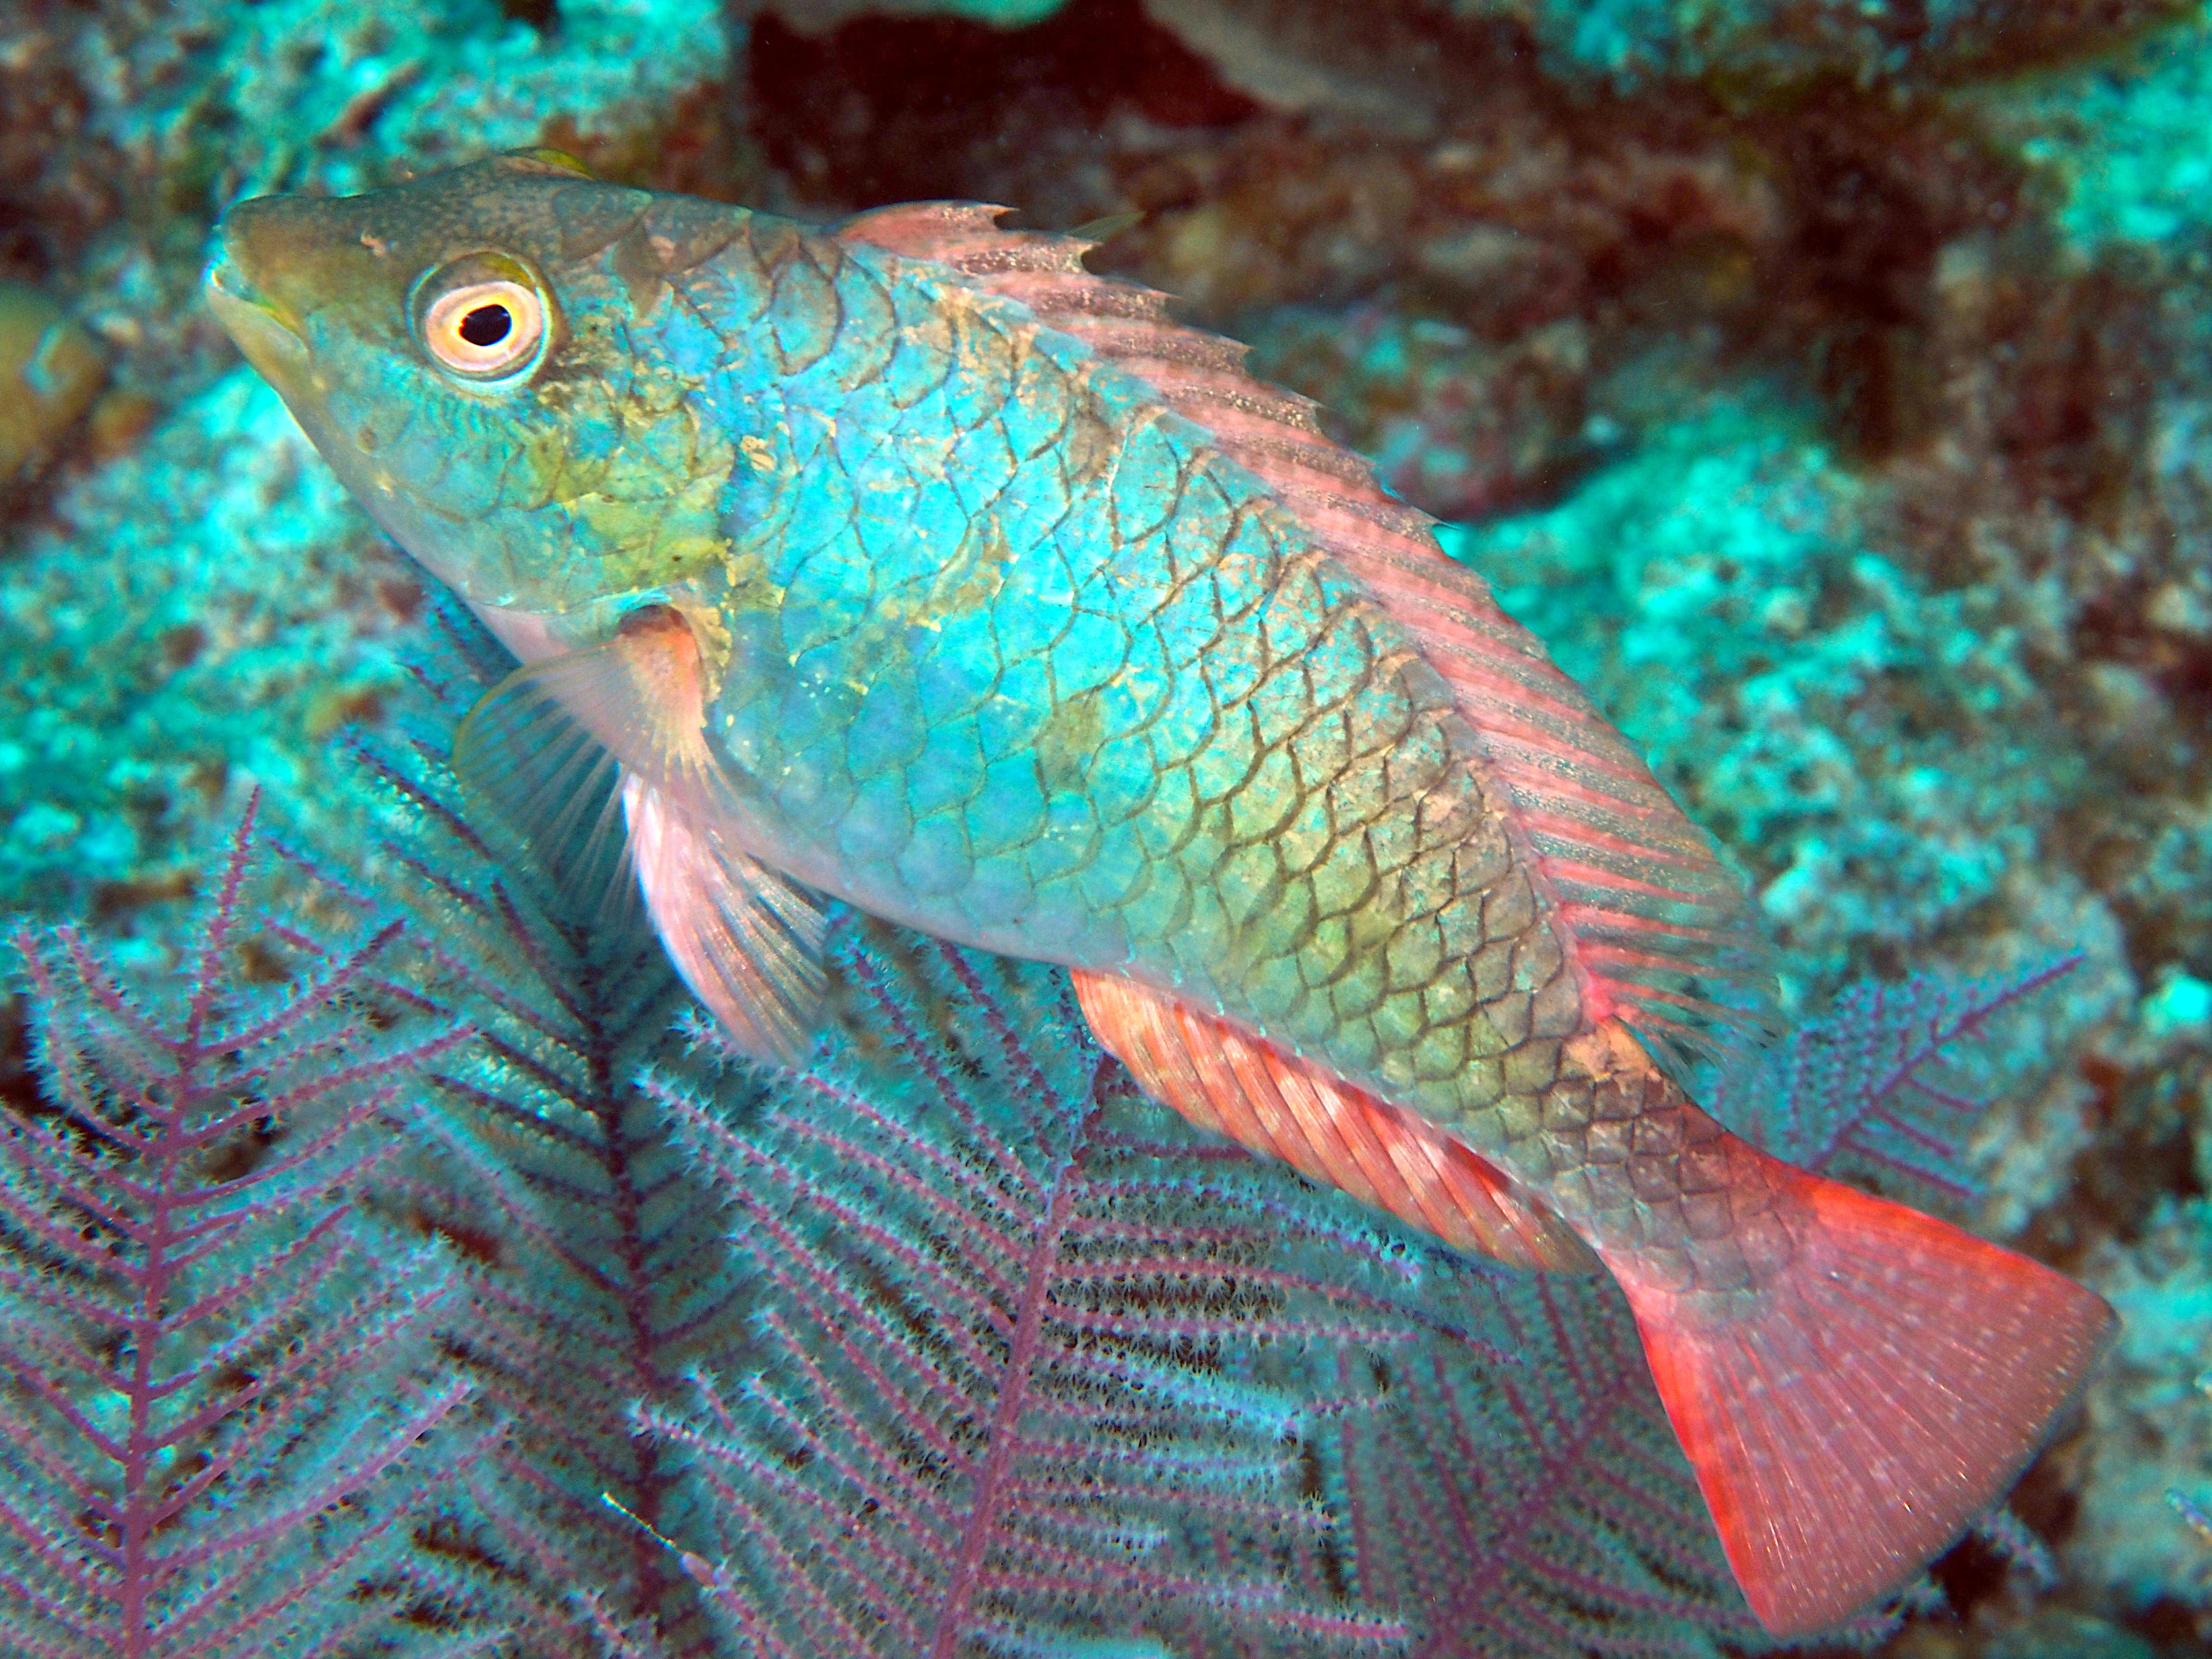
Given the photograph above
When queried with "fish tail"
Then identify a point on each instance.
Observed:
(1851, 1412)
(1852, 1380)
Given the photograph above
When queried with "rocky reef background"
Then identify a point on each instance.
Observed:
(1830, 383)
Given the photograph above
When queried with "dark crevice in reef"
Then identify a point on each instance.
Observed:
(1869, 216)
(886, 109)
(1807, 232)
(2144, 1151)
(1971, 1571)
(543, 15)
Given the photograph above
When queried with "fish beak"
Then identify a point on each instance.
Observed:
(271, 342)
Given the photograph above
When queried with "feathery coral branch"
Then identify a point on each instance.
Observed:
(222, 1411)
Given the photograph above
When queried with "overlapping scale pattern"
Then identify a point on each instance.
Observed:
(1078, 641)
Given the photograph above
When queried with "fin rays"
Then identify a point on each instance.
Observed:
(541, 755)
(747, 939)
(1226, 1080)
(1850, 1417)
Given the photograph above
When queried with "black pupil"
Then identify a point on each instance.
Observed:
(487, 325)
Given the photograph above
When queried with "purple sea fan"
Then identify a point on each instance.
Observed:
(1014, 1389)
(223, 1412)
(985, 1353)
(601, 1265)
(596, 1267)
(934, 1442)
(1880, 1089)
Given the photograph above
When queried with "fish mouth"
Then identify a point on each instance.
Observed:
(271, 340)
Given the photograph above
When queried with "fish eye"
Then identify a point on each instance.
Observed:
(483, 318)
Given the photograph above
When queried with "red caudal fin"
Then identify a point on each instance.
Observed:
(1850, 1417)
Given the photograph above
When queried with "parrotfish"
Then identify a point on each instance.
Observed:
(907, 563)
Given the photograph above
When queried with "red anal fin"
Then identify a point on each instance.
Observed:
(1226, 1080)
(1852, 1416)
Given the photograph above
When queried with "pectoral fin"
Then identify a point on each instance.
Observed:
(1227, 1081)
(546, 755)
(537, 757)
(746, 938)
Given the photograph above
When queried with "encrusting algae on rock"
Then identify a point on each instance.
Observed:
(908, 563)
(49, 373)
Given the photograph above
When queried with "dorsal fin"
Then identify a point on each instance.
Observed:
(1241, 1087)
(1658, 928)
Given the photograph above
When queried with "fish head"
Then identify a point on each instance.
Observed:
(464, 350)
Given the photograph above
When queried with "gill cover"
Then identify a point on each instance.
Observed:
(475, 355)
